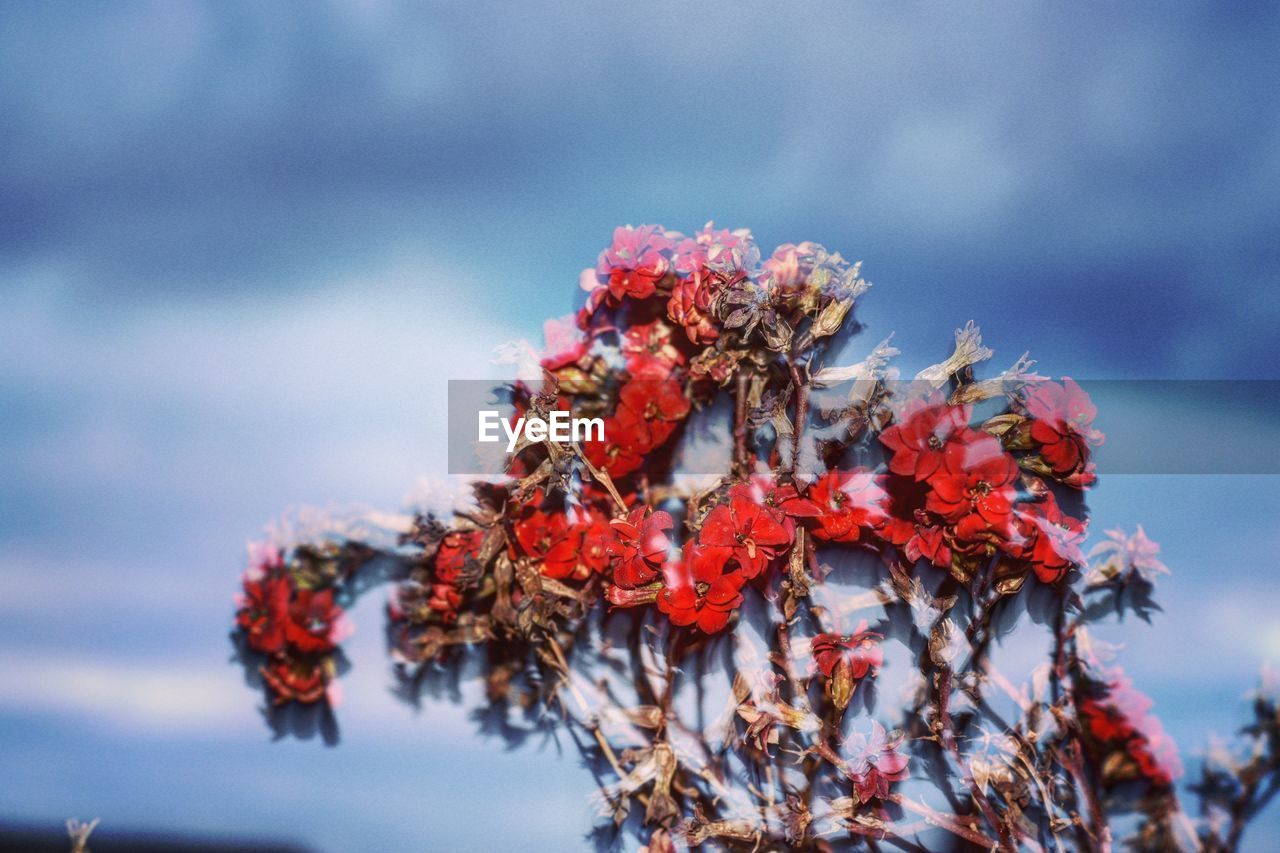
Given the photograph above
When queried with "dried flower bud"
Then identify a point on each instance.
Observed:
(830, 318)
(968, 352)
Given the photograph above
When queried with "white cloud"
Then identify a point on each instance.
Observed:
(168, 395)
(162, 699)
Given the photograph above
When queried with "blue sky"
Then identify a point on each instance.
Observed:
(242, 247)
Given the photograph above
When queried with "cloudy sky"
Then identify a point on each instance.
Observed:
(242, 247)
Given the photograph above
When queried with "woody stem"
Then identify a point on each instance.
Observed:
(802, 413)
(740, 423)
(949, 741)
(945, 821)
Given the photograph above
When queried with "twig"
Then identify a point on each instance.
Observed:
(603, 478)
(947, 822)
(79, 832)
(949, 741)
(802, 414)
(740, 424)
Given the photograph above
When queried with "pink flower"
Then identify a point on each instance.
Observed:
(633, 264)
(789, 267)
(794, 268)
(873, 762)
(714, 248)
(564, 343)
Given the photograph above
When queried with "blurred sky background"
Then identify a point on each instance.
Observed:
(242, 247)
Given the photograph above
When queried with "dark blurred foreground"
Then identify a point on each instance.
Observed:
(39, 839)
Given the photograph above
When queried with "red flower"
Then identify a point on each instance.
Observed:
(911, 527)
(783, 502)
(1053, 538)
(848, 502)
(455, 548)
(296, 680)
(445, 599)
(931, 544)
(698, 591)
(263, 611)
(649, 352)
(847, 659)
(920, 436)
(451, 558)
(974, 487)
(627, 438)
(748, 532)
(314, 621)
(1114, 714)
(1063, 426)
(634, 263)
(858, 652)
(688, 307)
(661, 404)
(648, 412)
(1118, 715)
(554, 541)
(874, 762)
(597, 543)
(640, 546)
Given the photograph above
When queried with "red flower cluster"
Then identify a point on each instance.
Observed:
(783, 501)
(701, 586)
(1051, 539)
(954, 488)
(297, 629)
(956, 492)
(672, 322)
(740, 539)
(1117, 718)
(705, 263)
(648, 413)
(569, 543)
(952, 492)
